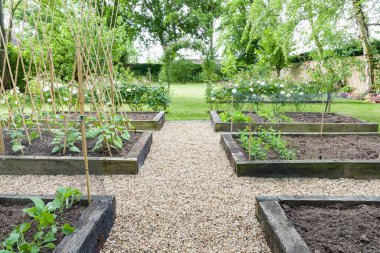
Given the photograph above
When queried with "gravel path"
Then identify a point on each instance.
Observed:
(186, 198)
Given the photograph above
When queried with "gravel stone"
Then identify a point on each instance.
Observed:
(187, 197)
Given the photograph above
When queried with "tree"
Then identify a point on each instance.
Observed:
(362, 26)
(183, 69)
(204, 13)
(270, 53)
(267, 25)
(166, 22)
(238, 49)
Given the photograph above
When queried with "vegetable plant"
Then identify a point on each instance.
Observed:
(45, 218)
(263, 142)
(236, 117)
(72, 137)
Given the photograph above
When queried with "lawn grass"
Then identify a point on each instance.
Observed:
(188, 102)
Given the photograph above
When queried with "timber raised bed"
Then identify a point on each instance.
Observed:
(302, 122)
(128, 162)
(309, 224)
(333, 156)
(92, 223)
(142, 121)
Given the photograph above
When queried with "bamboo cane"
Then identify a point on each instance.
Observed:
(82, 118)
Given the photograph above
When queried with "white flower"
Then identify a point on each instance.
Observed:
(46, 89)
(263, 83)
(129, 90)
(234, 91)
(17, 102)
(301, 93)
(108, 103)
(288, 95)
(213, 98)
(254, 95)
(282, 92)
(236, 85)
(66, 99)
(2, 102)
(258, 82)
(282, 86)
(75, 91)
(251, 89)
(49, 100)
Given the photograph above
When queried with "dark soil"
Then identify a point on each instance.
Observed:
(338, 230)
(12, 216)
(350, 147)
(44, 147)
(317, 118)
(310, 117)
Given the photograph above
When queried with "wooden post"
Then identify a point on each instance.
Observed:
(250, 128)
(2, 147)
(323, 116)
(232, 112)
(82, 119)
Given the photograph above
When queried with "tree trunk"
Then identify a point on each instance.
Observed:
(278, 70)
(167, 66)
(364, 38)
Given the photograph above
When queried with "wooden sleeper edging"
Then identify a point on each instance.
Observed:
(91, 229)
(220, 126)
(53, 165)
(354, 169)
(279, 232)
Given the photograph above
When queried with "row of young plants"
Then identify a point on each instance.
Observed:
(264, 141)
(47, 223)
(272, 116)
(67, 139)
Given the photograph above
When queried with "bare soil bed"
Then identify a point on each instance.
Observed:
(12, 216)
(336, 229)
(310, 117)
(349, 147)
(43, 147)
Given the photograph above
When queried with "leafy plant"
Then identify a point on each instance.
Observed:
(45, 219)
(274, 117)
(263, 141)
(236, 117)
(72, 136)
(112, 136)
(16, 140)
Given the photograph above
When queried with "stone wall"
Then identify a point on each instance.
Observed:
(298, 71)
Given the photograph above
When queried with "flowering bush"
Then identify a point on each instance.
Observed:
(258, 91)
(138, 94)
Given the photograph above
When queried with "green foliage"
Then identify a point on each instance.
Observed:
(263, 142)
(110, 135)
(236, 117)
(238, 49)
(139, 94)
(45, 217)
(273, 116)
(183, 70)
(258, 92)
(16, 140)
(72, 136)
